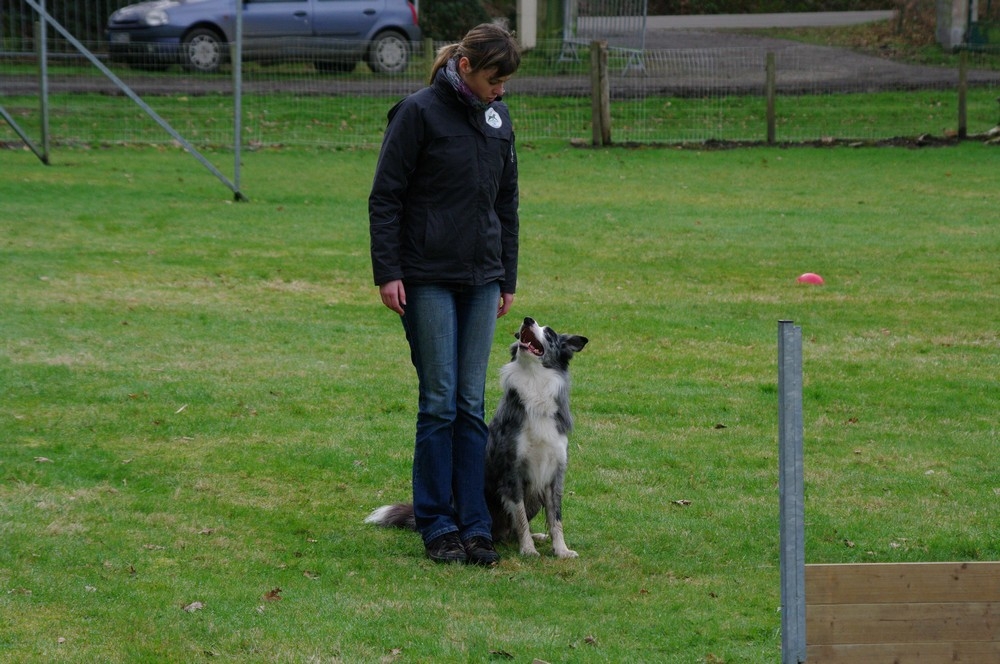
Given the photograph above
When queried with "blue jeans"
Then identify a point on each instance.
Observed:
(450, 332)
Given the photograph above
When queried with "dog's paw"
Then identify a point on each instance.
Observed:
(566, 553)
(539, 537)
(529, 551)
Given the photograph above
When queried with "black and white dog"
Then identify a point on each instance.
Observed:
(527, 450)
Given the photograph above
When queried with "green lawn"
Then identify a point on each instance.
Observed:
(300, 121)
(200, 400)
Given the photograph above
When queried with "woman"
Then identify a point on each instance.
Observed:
(444, 223)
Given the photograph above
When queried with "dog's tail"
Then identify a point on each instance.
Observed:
(399, 515)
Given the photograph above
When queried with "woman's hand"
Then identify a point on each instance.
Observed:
(506, 300)
(393, 295)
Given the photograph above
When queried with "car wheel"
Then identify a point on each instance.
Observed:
(204, 51)
(389, 53)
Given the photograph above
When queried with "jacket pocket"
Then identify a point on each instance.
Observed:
(444, 238)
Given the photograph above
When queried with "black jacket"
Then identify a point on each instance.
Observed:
(443, 205)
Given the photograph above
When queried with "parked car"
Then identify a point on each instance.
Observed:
(333, 34)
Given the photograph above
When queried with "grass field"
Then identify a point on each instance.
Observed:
(311, 120)
(200, 400)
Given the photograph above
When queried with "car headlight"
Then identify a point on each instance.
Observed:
(156, 18)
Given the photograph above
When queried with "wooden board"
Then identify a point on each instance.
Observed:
(902, 623)
(905, 653)
(876, 583)
(908, 613)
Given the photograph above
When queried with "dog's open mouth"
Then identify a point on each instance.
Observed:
(529, 342)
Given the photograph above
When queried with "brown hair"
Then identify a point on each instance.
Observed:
(487, 46)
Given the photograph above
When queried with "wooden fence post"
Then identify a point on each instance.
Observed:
(600, 93)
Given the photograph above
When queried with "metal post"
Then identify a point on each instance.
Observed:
(791, 494)
(42, 45)
(771, 93)
(238, 102)
(963, 93)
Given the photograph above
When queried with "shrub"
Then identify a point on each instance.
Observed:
(449, 20)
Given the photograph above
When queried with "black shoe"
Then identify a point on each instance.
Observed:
(480, 551)
(446, 548)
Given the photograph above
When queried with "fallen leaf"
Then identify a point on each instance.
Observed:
(310, 575)
(683, 502)
(720, 425)
(43, 460)
(273, 595)
(194, 606)
(590, 640)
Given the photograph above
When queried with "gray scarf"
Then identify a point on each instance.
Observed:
(462, 88)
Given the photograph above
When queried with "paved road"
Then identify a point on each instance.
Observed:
(784, 20)
(733, 61)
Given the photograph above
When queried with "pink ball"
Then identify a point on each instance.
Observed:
(811, 278)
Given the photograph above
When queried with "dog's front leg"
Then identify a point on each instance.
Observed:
(519, 518)
(558, 542)
(553, 518)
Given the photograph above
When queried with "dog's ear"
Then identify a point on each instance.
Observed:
(575, 342)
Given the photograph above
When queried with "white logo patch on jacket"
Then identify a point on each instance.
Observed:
(493, 118)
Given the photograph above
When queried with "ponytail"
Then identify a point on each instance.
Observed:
(444, 54)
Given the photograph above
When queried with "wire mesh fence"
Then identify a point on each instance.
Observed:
(84, 18)
(681, 95)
